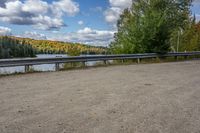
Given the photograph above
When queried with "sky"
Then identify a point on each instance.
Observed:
(90, 22)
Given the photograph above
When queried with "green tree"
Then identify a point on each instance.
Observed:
(148, 25)
(190, 39)
(10, 47)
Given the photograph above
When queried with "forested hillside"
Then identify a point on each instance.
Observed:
(56, 47)
(10, 47)
(25, 47)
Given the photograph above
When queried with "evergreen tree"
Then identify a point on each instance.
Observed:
(10, 47)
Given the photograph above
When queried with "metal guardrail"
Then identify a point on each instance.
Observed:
(27, 62)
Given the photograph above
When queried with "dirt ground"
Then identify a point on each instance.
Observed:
(146, 98)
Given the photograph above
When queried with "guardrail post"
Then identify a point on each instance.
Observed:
(105, 62)
(57, 66)
(185, 57)
(138, 60)
(27, 68)
(84, 63)
(176, 57)
(155, 58)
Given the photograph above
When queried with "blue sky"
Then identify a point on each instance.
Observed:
(86, 21)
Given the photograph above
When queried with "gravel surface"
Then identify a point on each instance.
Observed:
(146, 98)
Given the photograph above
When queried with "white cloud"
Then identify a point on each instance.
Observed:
(33, 35)
(65, 6)
(37, 13)
(4, 31)
(80, 22)
(116, 7)
(112, 14)
(197, 17)
(120, 3)
(35, 6)
(87, 36)
(2, 2)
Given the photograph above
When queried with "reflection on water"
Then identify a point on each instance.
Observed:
(44, 67)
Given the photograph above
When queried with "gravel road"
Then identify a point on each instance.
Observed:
(146, 98)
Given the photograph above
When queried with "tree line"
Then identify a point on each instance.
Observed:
(58, 47)
(157, 26)
(10, 48)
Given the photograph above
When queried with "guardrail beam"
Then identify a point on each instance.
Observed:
(27, 62)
